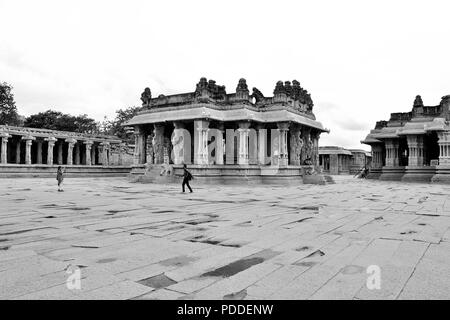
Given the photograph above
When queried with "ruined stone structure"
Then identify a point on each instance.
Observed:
(34, 151)
(337, 160)
(360, 159)
(229, 135)
(413, 146)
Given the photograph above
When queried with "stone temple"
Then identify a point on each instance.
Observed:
(337, 160)
(229, 137)
(413, 146)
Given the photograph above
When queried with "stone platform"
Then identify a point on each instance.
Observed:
(434, 174)
(231, 174)
(442, 174)
(149, 241)
(46, 171)
(419, 174)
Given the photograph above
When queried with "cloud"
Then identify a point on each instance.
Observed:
(95, 57)
(351, 124)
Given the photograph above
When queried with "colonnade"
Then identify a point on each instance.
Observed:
(252, 143)
(69, 151)
(389, 151)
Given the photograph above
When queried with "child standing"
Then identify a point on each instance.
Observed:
(60, 177)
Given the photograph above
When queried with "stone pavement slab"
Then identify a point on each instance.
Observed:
(150, 241)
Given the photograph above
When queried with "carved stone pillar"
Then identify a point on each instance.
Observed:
(392, 153)
(201, 140)
(4, 136)
(377, 156)
(88, 144)
(334, 164)
(416, 150)
(220, 144)
(444, 147)
(178, 143)
(138, 145)
(39, 152)
(305, 145)
(295, 141)
(121, 149)
(315, 147)
(71, 143)
(252, 146)
(140, 142)
(158, 143)
(51, 144)
(105, 153)
(243, 142)
(28, 143)
(283, 154)
(60, 152)
(261, 131)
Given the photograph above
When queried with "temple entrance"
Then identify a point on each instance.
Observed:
(431, 147)
(403, 152)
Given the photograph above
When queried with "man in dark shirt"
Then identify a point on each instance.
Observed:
(186, 177)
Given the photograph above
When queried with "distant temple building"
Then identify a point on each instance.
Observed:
(224, 136)
(28, 151)
(337, 160)
(413, 146)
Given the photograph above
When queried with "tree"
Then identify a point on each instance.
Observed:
(85, 124)
(8, 109)
(56, 120)
(115, 126)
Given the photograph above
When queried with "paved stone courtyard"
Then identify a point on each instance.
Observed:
(146, 241)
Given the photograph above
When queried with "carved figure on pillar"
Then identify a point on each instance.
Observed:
(158, 143)
(305, 150)
(314, 139)
(177, 144)
(167, 150)
(296, 142)
(150, 159)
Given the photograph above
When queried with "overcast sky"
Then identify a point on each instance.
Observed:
(360, 60)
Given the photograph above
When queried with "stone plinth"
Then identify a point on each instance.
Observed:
(419, 173)
(392, 173)
(235, 174)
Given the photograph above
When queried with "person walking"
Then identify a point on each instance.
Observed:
(60, 177)
(187, 176)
